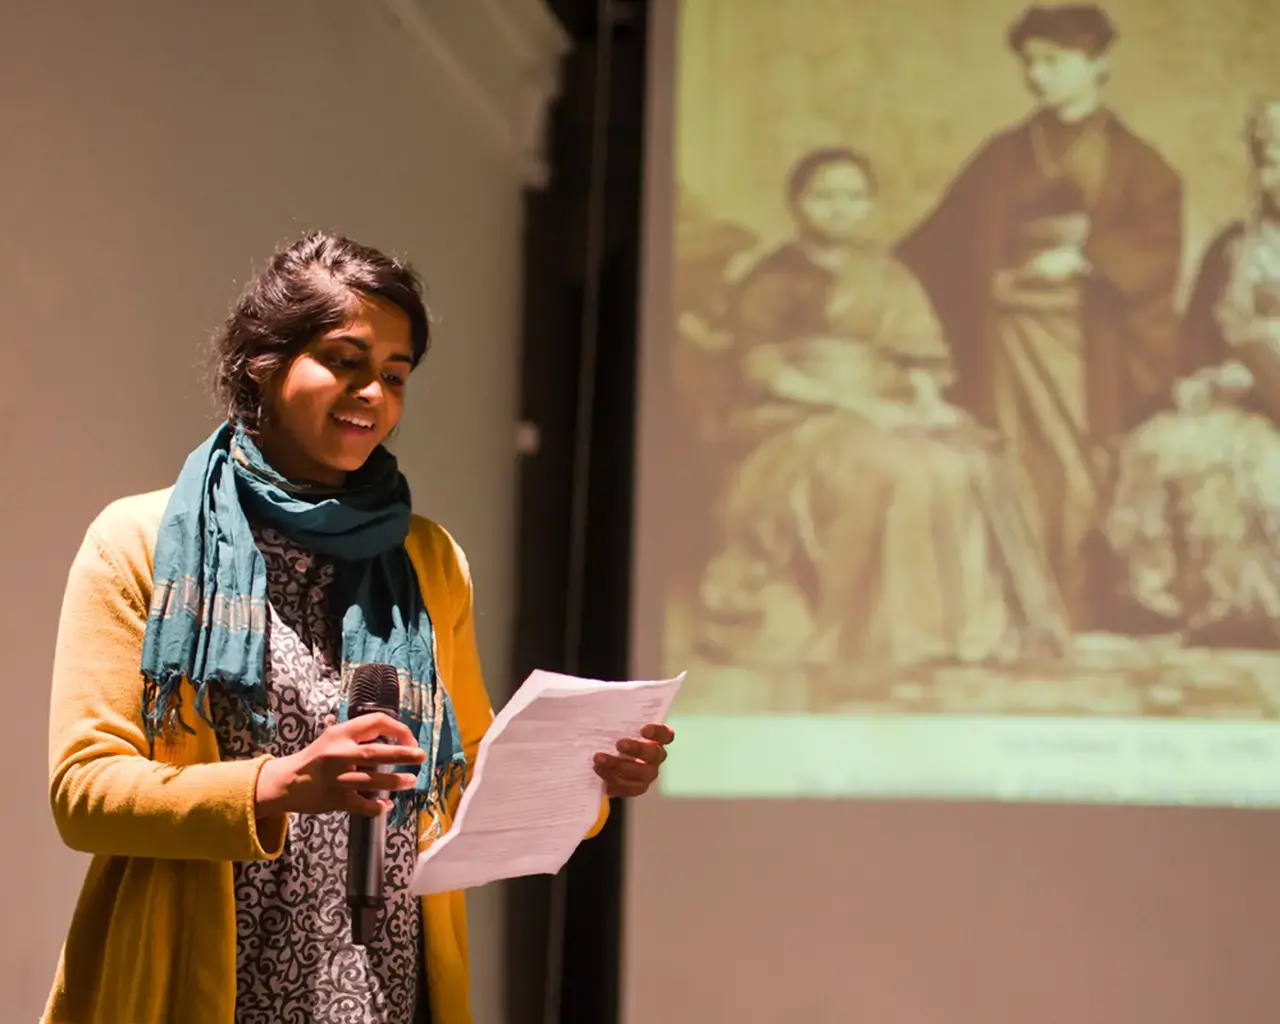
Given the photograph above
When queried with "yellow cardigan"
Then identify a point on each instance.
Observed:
(153, 938)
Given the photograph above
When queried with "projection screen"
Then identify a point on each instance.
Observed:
(959, 470)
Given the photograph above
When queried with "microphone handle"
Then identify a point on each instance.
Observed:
(366, 855)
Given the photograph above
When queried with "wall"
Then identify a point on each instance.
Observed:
(154, 155)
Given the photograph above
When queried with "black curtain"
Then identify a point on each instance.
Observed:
(582, 251)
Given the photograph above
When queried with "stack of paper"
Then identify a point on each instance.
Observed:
(534, 792)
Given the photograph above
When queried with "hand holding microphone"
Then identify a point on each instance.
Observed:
(349, 768)
(344, 762)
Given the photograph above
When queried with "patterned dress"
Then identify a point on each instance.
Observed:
(1195, 520)
(859, 541)
(295, 961)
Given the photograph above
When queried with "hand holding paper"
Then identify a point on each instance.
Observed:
(633, 767)
(534, 792)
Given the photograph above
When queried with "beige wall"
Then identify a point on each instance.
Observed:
(153, 154)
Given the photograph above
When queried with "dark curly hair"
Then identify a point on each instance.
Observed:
(308, 287)
(807, 167)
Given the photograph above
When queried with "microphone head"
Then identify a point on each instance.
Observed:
(375, 686)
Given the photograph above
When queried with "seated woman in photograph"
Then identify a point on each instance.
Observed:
(1196, 515)
(199, 742)
(866, 521)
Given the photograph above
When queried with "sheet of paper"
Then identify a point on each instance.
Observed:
(534, 792)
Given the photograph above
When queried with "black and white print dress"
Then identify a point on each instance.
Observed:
(295, 961)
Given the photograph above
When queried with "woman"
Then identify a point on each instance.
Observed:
(867, 523)
(1053, 259)
(198, 740)
(1196, 516)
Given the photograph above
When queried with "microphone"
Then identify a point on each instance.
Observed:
(374, 689)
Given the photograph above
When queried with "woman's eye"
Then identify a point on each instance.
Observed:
(394, 379)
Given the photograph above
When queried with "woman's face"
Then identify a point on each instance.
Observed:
(835, 203)
(1061, 76)
(341, 396)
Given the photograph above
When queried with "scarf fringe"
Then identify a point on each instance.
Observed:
(431, 799)
(162, 708)
(162, 704)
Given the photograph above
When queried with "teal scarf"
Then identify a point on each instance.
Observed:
(208, 615)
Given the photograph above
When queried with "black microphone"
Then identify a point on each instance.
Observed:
(374, 689)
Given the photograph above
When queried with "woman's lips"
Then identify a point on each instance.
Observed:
(351, 423)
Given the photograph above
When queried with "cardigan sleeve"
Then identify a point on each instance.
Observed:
(108, 795)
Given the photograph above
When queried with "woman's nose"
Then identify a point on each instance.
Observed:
(369, 390)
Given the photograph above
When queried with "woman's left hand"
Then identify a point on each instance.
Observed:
(1057, 265)
(633, 769)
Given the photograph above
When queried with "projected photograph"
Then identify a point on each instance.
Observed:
(974, 355)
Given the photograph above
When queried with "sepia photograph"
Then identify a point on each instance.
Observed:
(975, 334)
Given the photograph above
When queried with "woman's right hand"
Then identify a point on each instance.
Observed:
(334, 770)
(1193, 395)
(1258, 330)
(937, 414)
(764, 362)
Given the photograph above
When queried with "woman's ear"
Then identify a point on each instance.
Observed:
(268, 390)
